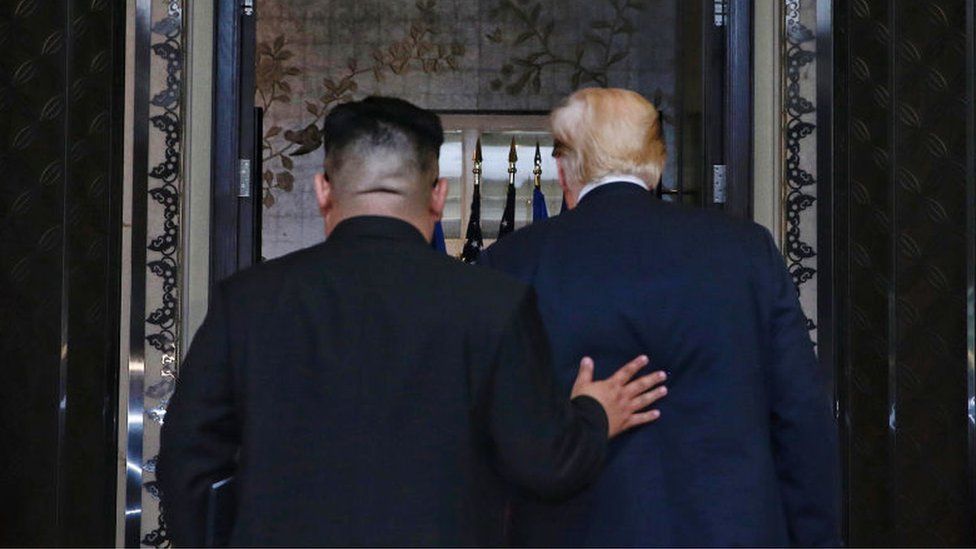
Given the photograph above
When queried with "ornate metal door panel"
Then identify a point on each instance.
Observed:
(899, 249)
(60, 224)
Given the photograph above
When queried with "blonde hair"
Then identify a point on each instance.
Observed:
(603, 131)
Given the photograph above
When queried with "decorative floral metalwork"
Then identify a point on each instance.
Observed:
(158, 536)
(163, 247)
(167, 194)
(800, 191)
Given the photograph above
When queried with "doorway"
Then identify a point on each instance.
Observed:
(492, 69)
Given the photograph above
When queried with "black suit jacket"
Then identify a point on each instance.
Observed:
(745, 451)
(371, 391)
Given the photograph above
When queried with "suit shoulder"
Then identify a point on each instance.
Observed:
(262, 277)
(490, 280)
(483, 289)
(715, 225)
(523, 243)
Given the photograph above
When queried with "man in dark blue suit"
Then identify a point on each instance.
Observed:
(745, 452)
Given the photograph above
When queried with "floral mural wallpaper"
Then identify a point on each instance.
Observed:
(488, 56)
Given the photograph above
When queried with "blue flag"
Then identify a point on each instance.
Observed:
(539, 209)
(437, 242)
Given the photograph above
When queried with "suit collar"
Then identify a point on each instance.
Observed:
(612, 189)
(375, 226)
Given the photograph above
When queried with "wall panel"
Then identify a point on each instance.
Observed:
(59, 226)
(898, 309)
(928, 277)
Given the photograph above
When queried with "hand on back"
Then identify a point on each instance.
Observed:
(624, 399)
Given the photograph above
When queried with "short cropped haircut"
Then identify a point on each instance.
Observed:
(383, 123)
(603, 131)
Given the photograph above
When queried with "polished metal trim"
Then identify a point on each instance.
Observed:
(971, 243)
(137, 312)
(244, 173)
(65, 281)
(721, 13)
(893, 480)
(718, 183)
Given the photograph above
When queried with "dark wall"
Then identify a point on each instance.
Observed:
(895, 300)
(60, 158)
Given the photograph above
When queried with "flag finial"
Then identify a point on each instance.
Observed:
(537, 169)
(512, 155)
(477, 164)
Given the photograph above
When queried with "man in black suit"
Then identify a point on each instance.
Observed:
(747, 454)
(371, 391)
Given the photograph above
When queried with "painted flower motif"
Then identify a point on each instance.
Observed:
(418, 49)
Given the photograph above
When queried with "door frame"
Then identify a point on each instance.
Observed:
(234, 234)
(226, 123)
(971, 239)
(739, 109)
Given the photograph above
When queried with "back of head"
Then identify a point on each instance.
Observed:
(604, 131)
(382, 153)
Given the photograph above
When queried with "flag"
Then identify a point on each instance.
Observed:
(539, 209)
(438, 241)
(472, 239)
(508, 217)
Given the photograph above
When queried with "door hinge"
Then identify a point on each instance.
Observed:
(718, 183)
(244, 191)
(248, 7)
(721, 13)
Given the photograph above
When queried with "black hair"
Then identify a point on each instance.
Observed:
(377, 120)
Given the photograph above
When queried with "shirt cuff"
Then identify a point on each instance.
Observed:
(591, 410)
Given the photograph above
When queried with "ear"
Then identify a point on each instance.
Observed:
(323, 193)
(438, 198)
(569, 196)
(562, 176)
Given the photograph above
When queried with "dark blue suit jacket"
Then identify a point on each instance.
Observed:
(745, 452)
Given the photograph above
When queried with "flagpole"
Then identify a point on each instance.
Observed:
(539, 209)
(512, 159)
(473, 241)
(508, 217)
(477, 164)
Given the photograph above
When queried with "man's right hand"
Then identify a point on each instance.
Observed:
(623, 398)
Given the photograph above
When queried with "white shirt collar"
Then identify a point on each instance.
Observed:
(612, 178)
